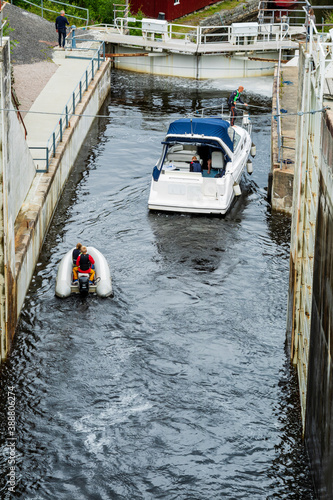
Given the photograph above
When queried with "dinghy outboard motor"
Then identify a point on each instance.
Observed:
(84, 284)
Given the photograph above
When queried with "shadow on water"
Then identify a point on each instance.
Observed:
(177, 244)
(291, 456)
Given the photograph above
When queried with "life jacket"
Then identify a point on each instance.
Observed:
(233, 98)
(84, 263)
(195, 166)
(76, 253)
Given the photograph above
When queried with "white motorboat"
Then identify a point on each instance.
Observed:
(175, 188)
(102, 283)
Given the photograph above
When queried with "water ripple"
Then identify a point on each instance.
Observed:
(179, 387)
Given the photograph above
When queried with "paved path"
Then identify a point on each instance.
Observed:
(53, 98)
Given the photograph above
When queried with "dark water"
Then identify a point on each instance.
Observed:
(180, 386)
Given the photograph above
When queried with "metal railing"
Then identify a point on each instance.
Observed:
(2, 22)
(210, 111)
(278, 111)
(320, 49)
(42, 8)
(262, 33)
(295, 13)
(120, 8)
(69, 110)
(292, 12)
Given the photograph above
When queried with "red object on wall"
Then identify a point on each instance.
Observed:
(173, 9)
(287, 4)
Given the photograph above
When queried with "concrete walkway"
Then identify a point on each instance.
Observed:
(282, 172)
(54, 97)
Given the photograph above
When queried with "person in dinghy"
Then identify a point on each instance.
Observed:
(76, 253)
(84, 264)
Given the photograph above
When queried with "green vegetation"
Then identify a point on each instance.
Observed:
(195, 18)
(7, 30)
(100, 11)
(103, 11)
(328, 21)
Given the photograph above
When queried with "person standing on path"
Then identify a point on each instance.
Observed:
(234, 97)
(60, 26)
(310, 17)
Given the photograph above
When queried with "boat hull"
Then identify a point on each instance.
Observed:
(103, 286)
(180, 190)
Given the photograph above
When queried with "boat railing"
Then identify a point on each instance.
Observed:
(208, 111)
(219, 110)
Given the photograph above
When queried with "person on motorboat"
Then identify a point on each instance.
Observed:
(195, 165)
(84, 265)
(235, 97)
(76, 253)
(205, 153)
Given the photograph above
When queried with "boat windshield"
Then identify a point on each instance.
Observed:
(234, 137)
(190, 144)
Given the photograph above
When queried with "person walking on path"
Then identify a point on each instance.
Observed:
(234, 97)
(60, 26)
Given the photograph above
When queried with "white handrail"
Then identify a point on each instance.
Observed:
(201, 35)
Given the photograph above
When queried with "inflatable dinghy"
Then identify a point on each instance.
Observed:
(102, 283)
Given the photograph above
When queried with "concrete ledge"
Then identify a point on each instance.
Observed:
(36, 213)
(282, 190)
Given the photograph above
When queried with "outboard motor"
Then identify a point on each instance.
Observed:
(84, 284)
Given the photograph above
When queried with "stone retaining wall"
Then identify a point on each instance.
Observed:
(241, 13)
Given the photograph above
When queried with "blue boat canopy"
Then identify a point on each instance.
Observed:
(213, 127)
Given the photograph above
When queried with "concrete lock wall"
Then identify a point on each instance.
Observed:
(310, 300)
(27, 207)
(11, 195)
(194, 66)
(319, 408)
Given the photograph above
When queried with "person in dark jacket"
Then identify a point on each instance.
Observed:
(76, 253)
(60, 25)
(235, 97)
(83, 265)
(195, 165)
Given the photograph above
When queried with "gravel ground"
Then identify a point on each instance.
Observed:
(36, 37)
(29, 81)
(31, 57)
